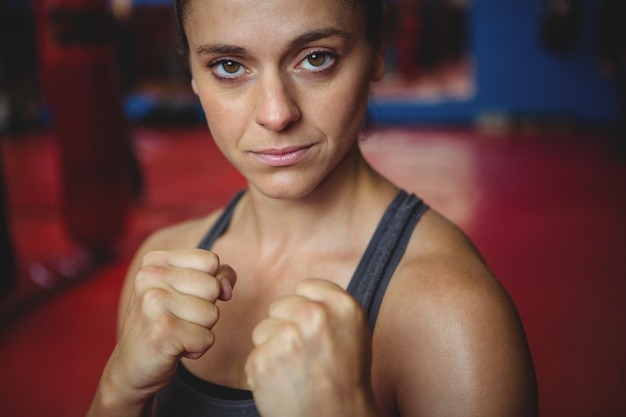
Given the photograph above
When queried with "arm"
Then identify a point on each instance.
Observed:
(168, 310)
(448, 342)
(460, 345)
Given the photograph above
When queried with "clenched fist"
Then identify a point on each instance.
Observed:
(312, 355)
(170, 314)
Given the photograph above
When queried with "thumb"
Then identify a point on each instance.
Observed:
(227, 278)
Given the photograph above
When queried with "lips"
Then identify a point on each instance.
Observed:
(282, 157)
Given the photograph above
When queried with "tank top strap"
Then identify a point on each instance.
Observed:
(384, 251)
(222, 222)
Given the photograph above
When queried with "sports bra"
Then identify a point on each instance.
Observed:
(189, 396)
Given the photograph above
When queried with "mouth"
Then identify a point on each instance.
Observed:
(282, 157)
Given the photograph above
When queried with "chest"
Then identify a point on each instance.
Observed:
(259, 283)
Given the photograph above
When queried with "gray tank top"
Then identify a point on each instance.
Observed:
(189, 396)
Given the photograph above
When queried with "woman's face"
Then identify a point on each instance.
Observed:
(283, 84)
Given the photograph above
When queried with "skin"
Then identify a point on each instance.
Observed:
(267, 309)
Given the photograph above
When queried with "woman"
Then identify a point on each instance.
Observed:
(284, 85)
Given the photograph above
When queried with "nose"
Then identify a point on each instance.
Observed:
(276, 107)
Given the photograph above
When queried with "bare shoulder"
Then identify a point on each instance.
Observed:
(186, 234)
(181, 235)
(458, 345)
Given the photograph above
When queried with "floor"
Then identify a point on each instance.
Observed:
(545, 207)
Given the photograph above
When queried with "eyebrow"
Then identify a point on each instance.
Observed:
(219, 49)
(307, 37)
(318, 34)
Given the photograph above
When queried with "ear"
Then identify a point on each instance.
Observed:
(194, 87)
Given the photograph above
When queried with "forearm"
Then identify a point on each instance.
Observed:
(111, 399)
(101, 407)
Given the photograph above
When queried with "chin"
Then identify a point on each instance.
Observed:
(285, 189)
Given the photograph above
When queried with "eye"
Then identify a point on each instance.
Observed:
(318, 61)
(227, 68)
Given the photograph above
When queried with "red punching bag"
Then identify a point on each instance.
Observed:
(79, 80)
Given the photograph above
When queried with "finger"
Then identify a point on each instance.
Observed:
(186, 338)
(310, 316)
(188, 260)
(278, 345)
(187, 308)
(319, 290)
(227, 279)
(275, 329)
(182, 280)
(327, 293)
(198, 259)
(331, 295)
(179, 324)
(287, 307)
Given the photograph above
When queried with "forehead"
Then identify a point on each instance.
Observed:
(267, 21)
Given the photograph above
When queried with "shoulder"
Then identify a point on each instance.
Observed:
(458, 344)
(182, 235)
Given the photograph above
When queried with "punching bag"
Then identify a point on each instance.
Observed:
(8, 266)
(80, 84)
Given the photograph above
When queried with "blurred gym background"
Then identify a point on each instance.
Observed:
(506, 116)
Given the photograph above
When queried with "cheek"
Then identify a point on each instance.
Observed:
(224, 118)
(345, 106)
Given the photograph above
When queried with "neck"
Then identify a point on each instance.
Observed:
(352, 194)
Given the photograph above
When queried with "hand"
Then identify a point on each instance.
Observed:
(170, 314)
(312, 355)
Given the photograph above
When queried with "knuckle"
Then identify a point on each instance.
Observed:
(212, 317)
(210, 262)
(154, 301)
(289, 334)
(162, 328)
(314, 312)
(202, 342)
(212, 258)
(214, 286)
(209, 338)
(194, 347)
(253, 365)
(355, 309)
(350, 309)
(148, 276)
(304, 287)
(210, 289)
(153, 257)
(258, 362)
